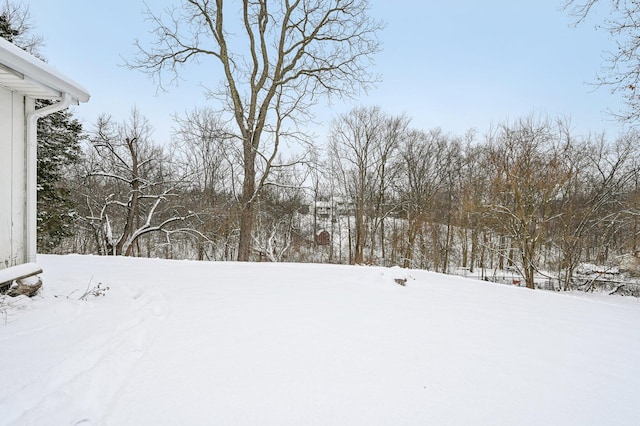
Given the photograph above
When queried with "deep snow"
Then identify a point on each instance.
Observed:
(197, 343)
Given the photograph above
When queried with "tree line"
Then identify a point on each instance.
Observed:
(530, 194)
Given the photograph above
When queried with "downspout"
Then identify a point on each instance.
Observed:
(32, 170)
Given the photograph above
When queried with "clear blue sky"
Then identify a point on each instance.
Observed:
(455, 65)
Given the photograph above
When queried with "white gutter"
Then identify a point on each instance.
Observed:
(32, 78)
(32, 170)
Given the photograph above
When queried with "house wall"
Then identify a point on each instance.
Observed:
(13, 192)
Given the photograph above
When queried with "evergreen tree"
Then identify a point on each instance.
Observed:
(59, 136)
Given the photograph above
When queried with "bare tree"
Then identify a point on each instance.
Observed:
(276, 61)
(16, 27)
(384, 201)
(597, 174)
(424, 167)
(279, 206)
(621, 71)
(631, 199)
(127, 187)
(450, 201)
(473, 184)
(209, 153)
(528, 173)
(363, 142)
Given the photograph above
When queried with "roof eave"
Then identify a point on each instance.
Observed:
(39, 73)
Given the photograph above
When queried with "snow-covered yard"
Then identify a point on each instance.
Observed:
(196, 343)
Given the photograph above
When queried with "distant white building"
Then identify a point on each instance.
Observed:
(334, 206)
(23, 79)
(323, 208)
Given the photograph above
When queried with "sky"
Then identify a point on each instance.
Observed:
(454, 65)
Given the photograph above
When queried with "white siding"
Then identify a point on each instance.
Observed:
(12, 179)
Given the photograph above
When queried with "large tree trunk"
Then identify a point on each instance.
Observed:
(247, 200)
(246, 226)
(527, 265)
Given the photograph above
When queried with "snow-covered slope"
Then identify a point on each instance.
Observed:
(189, 343)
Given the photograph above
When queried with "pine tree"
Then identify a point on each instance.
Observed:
(59, 136)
